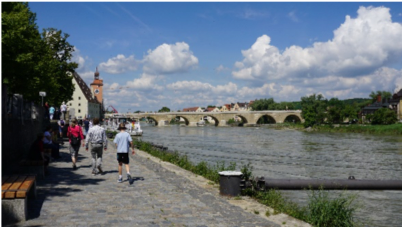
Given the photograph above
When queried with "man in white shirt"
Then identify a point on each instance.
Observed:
(63, 109)
(97, 137)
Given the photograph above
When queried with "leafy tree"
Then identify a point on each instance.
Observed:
(384, 116)
(313, 109)
(34, 62)
(349, 112)
(164, 109)
(334, 109)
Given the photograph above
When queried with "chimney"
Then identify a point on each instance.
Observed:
(378, 98)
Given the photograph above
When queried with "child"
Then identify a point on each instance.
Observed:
(123, 143)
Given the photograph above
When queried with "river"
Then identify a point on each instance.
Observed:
(298, 155)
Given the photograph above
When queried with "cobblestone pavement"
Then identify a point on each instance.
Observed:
(157, 197)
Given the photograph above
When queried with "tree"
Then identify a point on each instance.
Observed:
(313, 109)
(34, 62)
(334, 109)
(349, 112)
(384, 116)
(164, 109)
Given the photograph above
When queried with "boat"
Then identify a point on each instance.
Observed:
(137, 131)
(201, 123)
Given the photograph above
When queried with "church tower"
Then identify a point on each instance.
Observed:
(97, 87)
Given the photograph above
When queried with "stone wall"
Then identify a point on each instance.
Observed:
(21, 122)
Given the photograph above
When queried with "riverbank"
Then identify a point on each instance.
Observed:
(335, 210)
(160, 194)
(394, 129)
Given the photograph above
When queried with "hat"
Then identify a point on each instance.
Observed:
(122, 126)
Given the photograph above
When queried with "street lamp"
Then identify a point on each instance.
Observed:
(43, 94)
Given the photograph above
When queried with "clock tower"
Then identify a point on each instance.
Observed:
(97, 87)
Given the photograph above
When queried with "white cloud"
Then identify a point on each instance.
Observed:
(360, 45)
(253, 14)
(146, 82)
(190, 86)
(167, 59)
(292, 15)
(221, 68)
(83, 69)
(119, 64)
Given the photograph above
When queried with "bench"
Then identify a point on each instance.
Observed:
(33, 167)
(15, 190)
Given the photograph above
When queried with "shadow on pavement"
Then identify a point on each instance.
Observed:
(46, 188)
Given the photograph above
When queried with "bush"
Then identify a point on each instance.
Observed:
(384, 116)
(324, 211)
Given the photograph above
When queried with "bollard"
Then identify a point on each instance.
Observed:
(229, 183)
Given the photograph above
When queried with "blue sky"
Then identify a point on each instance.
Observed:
(179, 55)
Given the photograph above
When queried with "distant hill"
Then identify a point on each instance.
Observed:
(355, 100)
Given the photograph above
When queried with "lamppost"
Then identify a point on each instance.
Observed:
(43, 94)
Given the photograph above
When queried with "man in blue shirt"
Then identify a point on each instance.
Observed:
(123, 143)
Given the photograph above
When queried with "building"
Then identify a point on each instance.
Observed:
(193, 109)
(86, 102)
(225, 107)
(395, 103)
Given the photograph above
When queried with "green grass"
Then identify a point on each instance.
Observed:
(394, 129)
(208, 171)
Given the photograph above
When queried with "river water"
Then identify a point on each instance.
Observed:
(298, 155)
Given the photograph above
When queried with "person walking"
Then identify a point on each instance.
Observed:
(63, 109)
(75, 136)
(51, 112)
(123, 143)
(97, 137)
(86, 126)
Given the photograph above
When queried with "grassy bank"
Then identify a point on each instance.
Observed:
(322, 209)
(394, 129)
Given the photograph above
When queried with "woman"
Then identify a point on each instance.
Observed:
(75, 136)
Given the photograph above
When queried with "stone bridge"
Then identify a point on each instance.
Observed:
(220, 118)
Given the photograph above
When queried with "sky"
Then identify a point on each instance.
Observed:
(188, 54)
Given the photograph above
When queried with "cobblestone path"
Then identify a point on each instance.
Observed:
(157, 197)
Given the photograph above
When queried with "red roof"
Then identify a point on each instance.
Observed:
(191, 109)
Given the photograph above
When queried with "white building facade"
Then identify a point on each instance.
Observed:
(84, 102)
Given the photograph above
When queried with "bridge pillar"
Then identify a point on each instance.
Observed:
(223, 123)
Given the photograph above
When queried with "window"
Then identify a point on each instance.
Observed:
(79, 97)
(71, 103)
(79, 111)
(79, 104)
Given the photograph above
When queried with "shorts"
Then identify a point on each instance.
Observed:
(123, 158)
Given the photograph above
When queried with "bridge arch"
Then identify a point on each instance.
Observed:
(153, 119)
(242, 118)
(266, 119)
(186, 120)
(292, 118)
(216, 120)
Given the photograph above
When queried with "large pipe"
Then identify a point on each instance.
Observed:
(351, 184)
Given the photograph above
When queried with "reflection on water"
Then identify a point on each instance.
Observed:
(298, 155)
